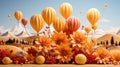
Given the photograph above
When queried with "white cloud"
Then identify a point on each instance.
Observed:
(104, 20)
(112, 30)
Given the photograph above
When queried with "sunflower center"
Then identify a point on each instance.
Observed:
(77, 40)
(64, 53)
(59, 42)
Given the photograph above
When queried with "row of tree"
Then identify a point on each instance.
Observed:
(16, 41)
(112, 42)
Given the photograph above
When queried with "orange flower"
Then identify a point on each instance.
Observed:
(102, 52)
(59, 38)
(64, 53)
(78, 38)
(29, 58)
(44, 41)
(115, 54)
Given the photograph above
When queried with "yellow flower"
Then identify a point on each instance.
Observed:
(59, 38)
(64, 53)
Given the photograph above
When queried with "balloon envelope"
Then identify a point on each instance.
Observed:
(73, 24)
(49, 15)
(24, 21)
(37, 22)
(93, 15)
(59, 24)
(66, 10)
(87, 29)
(18, 15)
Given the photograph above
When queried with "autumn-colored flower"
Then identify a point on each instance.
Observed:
(50, 60)
(115, 54)
(32, 50)
(29, 58)
(64, 53)
(78, 38)
(19, 60)
(59, 38)
(44, 41)
(102, 52)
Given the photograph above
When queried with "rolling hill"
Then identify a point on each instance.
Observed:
(107, 37)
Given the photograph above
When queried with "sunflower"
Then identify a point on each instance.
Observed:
(44, 41)
(78, 38)
(102, 52)
(59, 38)
(64, 53)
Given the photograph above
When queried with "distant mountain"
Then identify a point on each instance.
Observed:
(107, 37)
(118, 33)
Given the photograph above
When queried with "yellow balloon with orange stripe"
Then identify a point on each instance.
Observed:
(49, 15)
(18, 15)
(65, 10)
(93, 15)
(59, 24)
(37, 22)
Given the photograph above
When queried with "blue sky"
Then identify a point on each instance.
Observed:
(110, 17)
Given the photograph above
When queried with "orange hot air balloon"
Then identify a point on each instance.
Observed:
(49, 15)
(65, 10)
(73, 24)
(87, 29)
(59, 24)
(18, 15)
(94, 27)
(24, 21)
(37, 22)
(93, 15)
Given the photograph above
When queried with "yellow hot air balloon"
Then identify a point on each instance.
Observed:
(49, 15)
(59, 24)
(87, 29)
(65, 10)
(93, 15)
(37, 22)
(18, 15)
(94, 27)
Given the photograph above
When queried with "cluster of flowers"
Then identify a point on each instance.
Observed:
(61, 49)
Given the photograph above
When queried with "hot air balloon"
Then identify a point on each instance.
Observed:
(93, 15)
(49, 15)
(94, 27)
(37, 22)
(87, 29)
(59, 24)
(9, 16)
(105, 5)
(72, 25)
(80, 11)
(65, 10)
(24, 21)
(18, 15)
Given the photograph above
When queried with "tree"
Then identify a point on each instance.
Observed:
(119, 43)
(112, 41)
(106, 42)
(101, 42)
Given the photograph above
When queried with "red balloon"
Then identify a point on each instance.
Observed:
(24, 21)
(73, 24)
